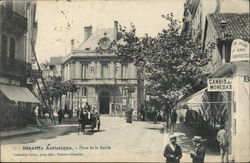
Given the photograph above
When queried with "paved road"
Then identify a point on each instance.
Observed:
(116, 141)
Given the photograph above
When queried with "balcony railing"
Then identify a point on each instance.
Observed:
(14, 67)
(106, 81)
(12, 21)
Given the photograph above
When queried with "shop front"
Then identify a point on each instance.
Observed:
(16, 106)
(238, 71)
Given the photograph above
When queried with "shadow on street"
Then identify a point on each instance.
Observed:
(189, 132)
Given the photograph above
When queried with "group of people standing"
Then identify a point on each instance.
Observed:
(173, 152)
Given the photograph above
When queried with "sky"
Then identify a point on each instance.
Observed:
(60, 21)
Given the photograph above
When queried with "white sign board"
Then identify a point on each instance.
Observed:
(239, 51)
(219, 84)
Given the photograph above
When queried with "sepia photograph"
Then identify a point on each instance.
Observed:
(125, 81)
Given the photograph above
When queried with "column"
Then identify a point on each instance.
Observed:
(112, 69)
(98, 70)
(119, 70)
(133, 71)
(72, 70)
(78, 70)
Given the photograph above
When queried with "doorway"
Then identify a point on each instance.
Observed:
(104, 103)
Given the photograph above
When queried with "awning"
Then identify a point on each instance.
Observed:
(15, 93)
(200, 103)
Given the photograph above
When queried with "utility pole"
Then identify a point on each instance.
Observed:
(39, 68)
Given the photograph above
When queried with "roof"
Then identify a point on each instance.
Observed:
(92, 41)
(238, 25)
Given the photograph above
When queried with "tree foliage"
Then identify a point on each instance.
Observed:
(170, 63)
(55, 88)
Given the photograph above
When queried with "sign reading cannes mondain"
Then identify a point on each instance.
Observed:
(219, 84)
(239, 51)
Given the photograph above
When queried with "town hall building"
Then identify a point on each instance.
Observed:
(102, 80)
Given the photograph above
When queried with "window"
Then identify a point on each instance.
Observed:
(104, 70)
(4, 49)
(12, 49)
(124, 92)
(84, 91)
(9, 5)
(84, 71)
(124, 70)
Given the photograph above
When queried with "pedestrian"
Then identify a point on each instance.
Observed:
(60, 115)
(172, 151)
(129, 115)
(198, 155)
(222, 138)
(77, 112)
(173, 119)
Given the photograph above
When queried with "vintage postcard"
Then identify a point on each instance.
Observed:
(124, 81)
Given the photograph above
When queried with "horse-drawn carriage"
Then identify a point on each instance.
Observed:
(88, 119)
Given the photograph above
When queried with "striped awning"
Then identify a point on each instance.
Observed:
(15, 93)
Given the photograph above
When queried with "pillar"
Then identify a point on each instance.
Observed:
(72, 70)
(112, 69)
(98, 70)
(78, 70)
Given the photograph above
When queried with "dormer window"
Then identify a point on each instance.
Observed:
(87, 48)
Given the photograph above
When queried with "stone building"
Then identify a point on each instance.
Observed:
(102, 81)
(230, 60)
(195, 12)
(17, 28)
(222, 22)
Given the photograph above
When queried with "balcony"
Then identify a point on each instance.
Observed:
(10, 67)
(106, 81)
(12, 22)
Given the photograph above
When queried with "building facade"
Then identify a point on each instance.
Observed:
(224, 29)
(220, 23)
(17, 29)
(102, 80)
(195, 12)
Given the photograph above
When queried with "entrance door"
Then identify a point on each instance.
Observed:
(104, 103)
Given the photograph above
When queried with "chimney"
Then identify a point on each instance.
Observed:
(87, 32)
(72, 44)
(115, 30)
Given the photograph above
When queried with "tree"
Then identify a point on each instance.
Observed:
(55, 88)
(170, 63)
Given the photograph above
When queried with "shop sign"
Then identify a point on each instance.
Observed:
(239, 51)
(219, 84)
(36, 74)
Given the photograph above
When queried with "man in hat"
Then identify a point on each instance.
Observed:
(222, 138)
(173, 151)
(199, 154)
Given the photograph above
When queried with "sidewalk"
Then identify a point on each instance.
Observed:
(19, 132)
(184, 139)
(32, 129)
